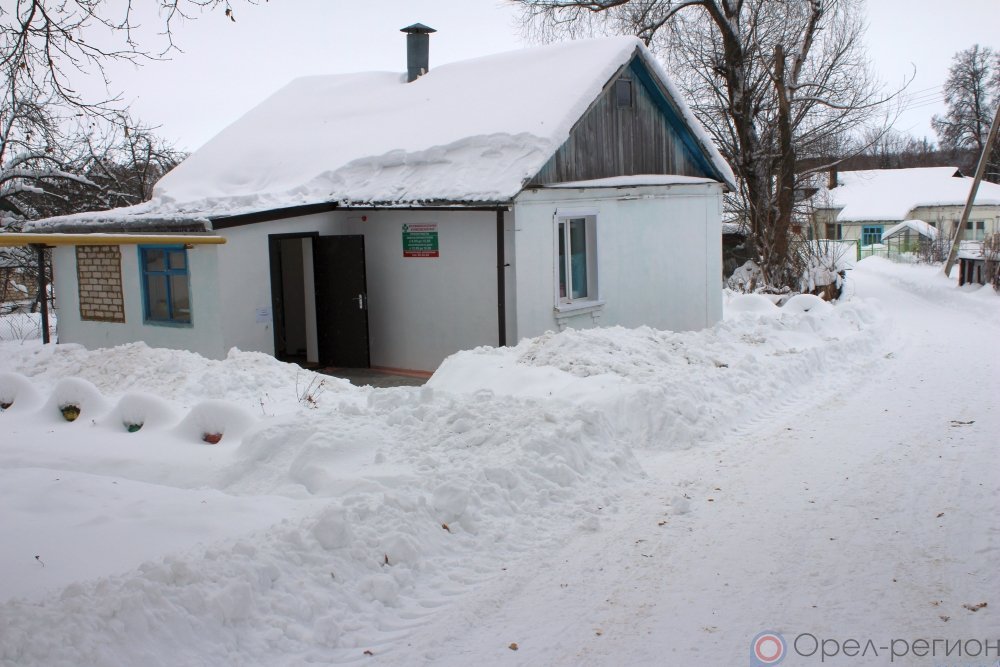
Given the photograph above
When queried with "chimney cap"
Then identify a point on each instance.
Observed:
(417, 29)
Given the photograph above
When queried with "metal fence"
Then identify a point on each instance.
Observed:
(22, 309)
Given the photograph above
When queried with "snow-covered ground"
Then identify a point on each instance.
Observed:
(600, 497)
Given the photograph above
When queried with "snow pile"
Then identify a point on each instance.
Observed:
(667, 390)
(255, 381)
(825, 263)
(319, 530)
(929, 282)
(424, 496)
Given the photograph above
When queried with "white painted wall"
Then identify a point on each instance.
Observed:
(659, 263)
(659, 256)
(203, 336)
(423, 309)
(942, 217)
(945, 217)
(245, 278)
(420, 309)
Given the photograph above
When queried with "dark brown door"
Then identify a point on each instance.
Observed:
(341, 301)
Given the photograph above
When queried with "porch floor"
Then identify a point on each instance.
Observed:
(376, 377)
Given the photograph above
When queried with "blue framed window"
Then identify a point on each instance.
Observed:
(871, 234)
(166, 291)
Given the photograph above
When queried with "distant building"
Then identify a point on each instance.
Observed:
(862, 205)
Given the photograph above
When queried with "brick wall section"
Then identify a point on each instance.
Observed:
(99, 276)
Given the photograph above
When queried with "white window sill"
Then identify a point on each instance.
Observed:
(565, 311)
(578, 308)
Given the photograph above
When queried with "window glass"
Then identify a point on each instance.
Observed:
(975, 230)
(871, 235)
(562, 260)
(180, 303)
(578, 260)
(165, 284)
(177, 259)
(154, 260)
(156, 293)
(623, 92)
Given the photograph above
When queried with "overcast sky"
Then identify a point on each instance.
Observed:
(226, 68)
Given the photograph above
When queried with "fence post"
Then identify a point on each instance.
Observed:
(43, 291)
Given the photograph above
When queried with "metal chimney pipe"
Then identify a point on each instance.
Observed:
(418, 44)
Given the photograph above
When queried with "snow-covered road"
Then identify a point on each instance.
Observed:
(865, 509)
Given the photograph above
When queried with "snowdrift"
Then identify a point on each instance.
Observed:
(334, 526)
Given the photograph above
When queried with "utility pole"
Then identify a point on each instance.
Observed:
(980, 170)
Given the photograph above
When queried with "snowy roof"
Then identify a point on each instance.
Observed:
(919, 226)
(970, 249)
(892, 194)
(471, 131)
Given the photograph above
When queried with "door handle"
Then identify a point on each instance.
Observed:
(361, 301)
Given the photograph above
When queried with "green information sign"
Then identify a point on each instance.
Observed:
(420, 240)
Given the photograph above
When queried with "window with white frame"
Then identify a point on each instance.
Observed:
(975, 230)
(576, 259)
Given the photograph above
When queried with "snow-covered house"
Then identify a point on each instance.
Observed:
(369, 219)
(865, 204)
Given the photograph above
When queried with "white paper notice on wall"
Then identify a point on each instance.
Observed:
(263, 315)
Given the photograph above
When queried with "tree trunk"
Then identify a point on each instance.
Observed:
(776, 262)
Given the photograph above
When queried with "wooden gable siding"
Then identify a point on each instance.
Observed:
(647, 138)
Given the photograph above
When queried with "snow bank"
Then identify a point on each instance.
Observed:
(136, 411)
(335, 527)
(253, 380)
(423, 495)
(17, 393)
(666, 390)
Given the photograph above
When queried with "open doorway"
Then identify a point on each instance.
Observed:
(293, 300)
(319, 299)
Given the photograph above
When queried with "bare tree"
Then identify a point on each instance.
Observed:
(60, 151)
(126, 161)
(47, 127)
(775, 83)
(972, 92)
(116, 166)
(111, 164)
(46, 44)
(34, 150)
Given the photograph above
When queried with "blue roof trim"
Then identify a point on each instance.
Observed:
(676, 121)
